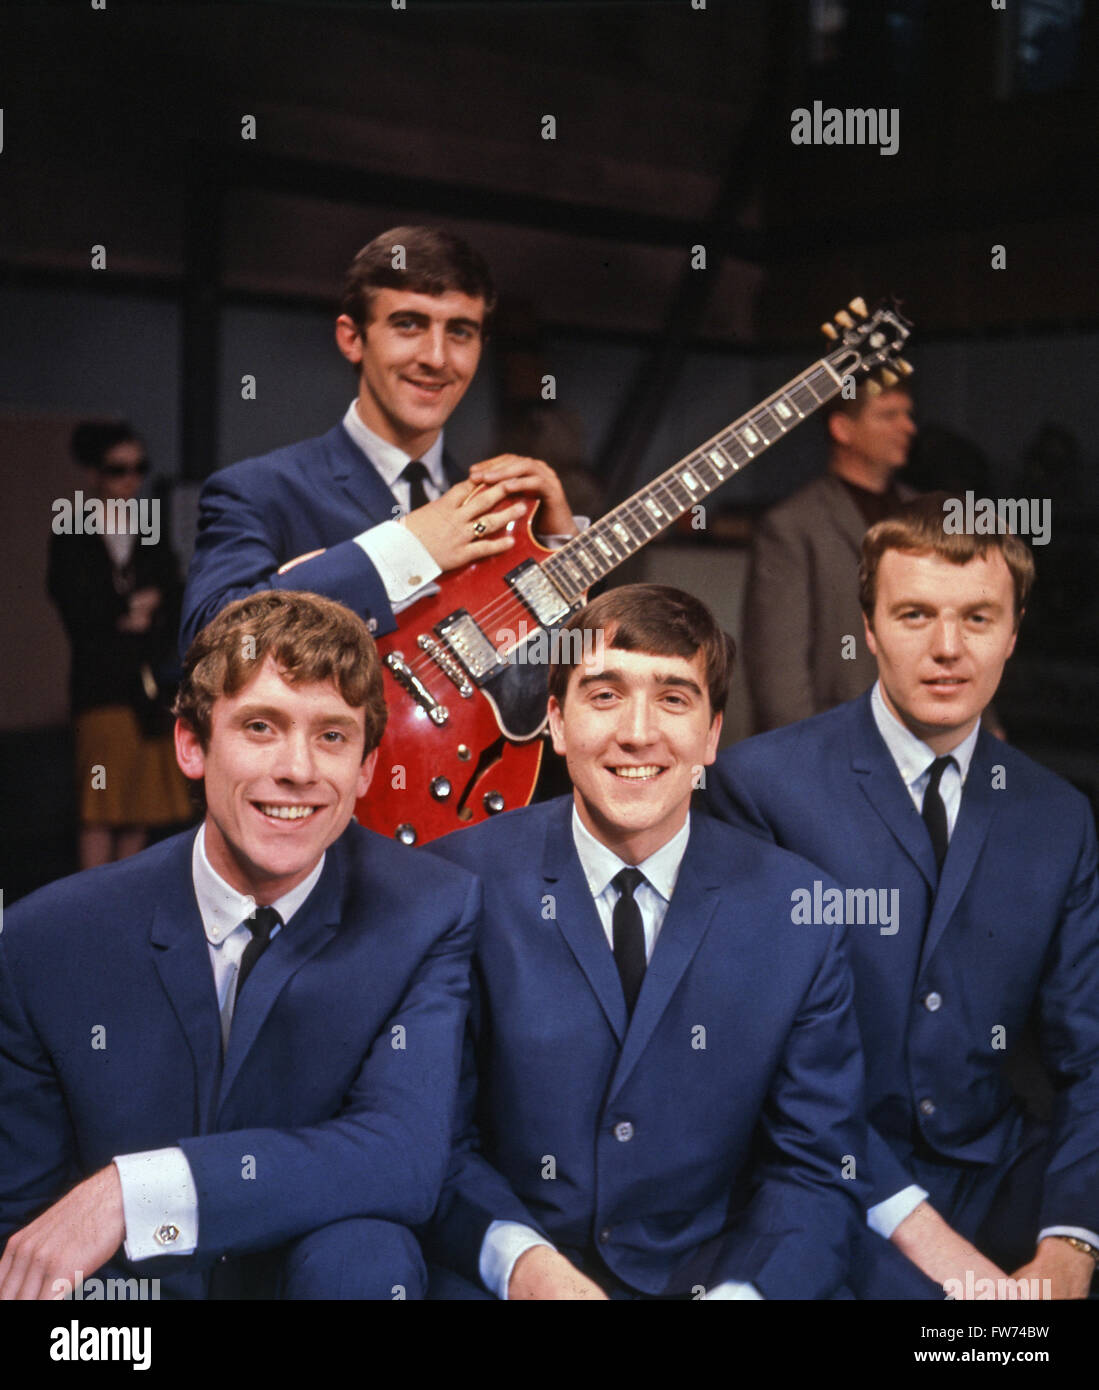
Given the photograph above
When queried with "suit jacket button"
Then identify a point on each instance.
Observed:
(933, 1002)
(623, 1131)
(927, 1106)
(604, 1235)
(371, 624)
(166, 1234)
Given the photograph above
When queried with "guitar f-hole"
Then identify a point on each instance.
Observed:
(490, 756)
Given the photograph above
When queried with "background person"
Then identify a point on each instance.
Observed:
(119, 601)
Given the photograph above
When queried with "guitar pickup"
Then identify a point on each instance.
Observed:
(541, 596)
(470, 646)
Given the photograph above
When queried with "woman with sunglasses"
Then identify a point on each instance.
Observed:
(119, 600)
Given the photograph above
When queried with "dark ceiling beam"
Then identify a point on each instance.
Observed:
(347, 184)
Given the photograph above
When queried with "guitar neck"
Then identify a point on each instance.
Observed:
(622, 532)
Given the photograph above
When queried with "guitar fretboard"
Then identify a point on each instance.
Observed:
(613, 538)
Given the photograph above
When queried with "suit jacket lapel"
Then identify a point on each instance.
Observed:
(357, 477)
(182, 961)
(975, 815)
(686, 923)
(577, 917)
(309, 930)
(881, 783)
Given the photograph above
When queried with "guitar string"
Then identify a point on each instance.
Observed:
(509, 605)
(633, 509)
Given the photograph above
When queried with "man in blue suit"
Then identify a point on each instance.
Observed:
(662, 1086)
(372, 512)
(237, 1053)
(990, 861)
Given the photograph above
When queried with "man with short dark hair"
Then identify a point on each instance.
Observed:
(803, 645)
(662, 1085)
(992, 860)
(372, 512)
(237, 1052)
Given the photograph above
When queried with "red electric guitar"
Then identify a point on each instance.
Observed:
(465, 672)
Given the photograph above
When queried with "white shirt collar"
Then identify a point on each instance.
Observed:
(387, 458)
(600, 864)
(222, 908)
(911, 755)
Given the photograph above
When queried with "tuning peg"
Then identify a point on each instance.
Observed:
(858, 306)
(872, 388)
(844, 319)
(905, 368)
(888, 378)
(829, 330)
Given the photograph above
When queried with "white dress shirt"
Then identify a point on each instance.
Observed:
(158, 1190)
(404, 564)
(913, 759)
(505, 1241)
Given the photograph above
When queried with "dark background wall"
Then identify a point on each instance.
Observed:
(122, 128)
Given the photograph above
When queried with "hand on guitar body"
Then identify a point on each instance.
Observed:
(445, 527)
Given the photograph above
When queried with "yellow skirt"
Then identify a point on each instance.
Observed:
(124, 778)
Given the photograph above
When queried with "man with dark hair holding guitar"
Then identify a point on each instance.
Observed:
(372, 512)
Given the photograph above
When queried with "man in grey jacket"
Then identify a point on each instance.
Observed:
(804, 649)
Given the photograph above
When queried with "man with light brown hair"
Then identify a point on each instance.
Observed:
(992, 861)
(236, 1053)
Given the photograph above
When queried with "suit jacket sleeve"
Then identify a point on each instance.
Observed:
(37, 1147)
(794, 1238)
(1069, 1038)
(475, 1194)
(238, 552)
(777, 621)
(385, 1155)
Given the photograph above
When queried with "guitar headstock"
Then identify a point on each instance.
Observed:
(869, 345)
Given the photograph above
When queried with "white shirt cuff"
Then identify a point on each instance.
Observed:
(730, 1291)
(556, 542)
(504, 1242)
(404, 564)
(886, 1216)
(159, 1203)
(1080, 1232)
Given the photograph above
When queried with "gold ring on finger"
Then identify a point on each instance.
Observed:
(479, 529)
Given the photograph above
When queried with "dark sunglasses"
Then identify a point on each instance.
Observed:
(120, 470)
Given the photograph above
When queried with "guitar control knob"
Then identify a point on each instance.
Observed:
(406, 834)
(493, 803)
(440, 788)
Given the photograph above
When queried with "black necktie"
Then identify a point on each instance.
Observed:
(934, 812)
(629, 935)
(414, 474)
(261, 925)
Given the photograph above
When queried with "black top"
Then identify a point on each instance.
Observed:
(91, 595)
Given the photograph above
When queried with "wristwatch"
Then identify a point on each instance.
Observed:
(1083, 1246)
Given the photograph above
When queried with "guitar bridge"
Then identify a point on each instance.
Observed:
(446, 664)
(437, 713)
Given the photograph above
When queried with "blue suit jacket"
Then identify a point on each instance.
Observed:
(343, 1117)
(257, 514)
(1014, 925)
(740, 1071)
